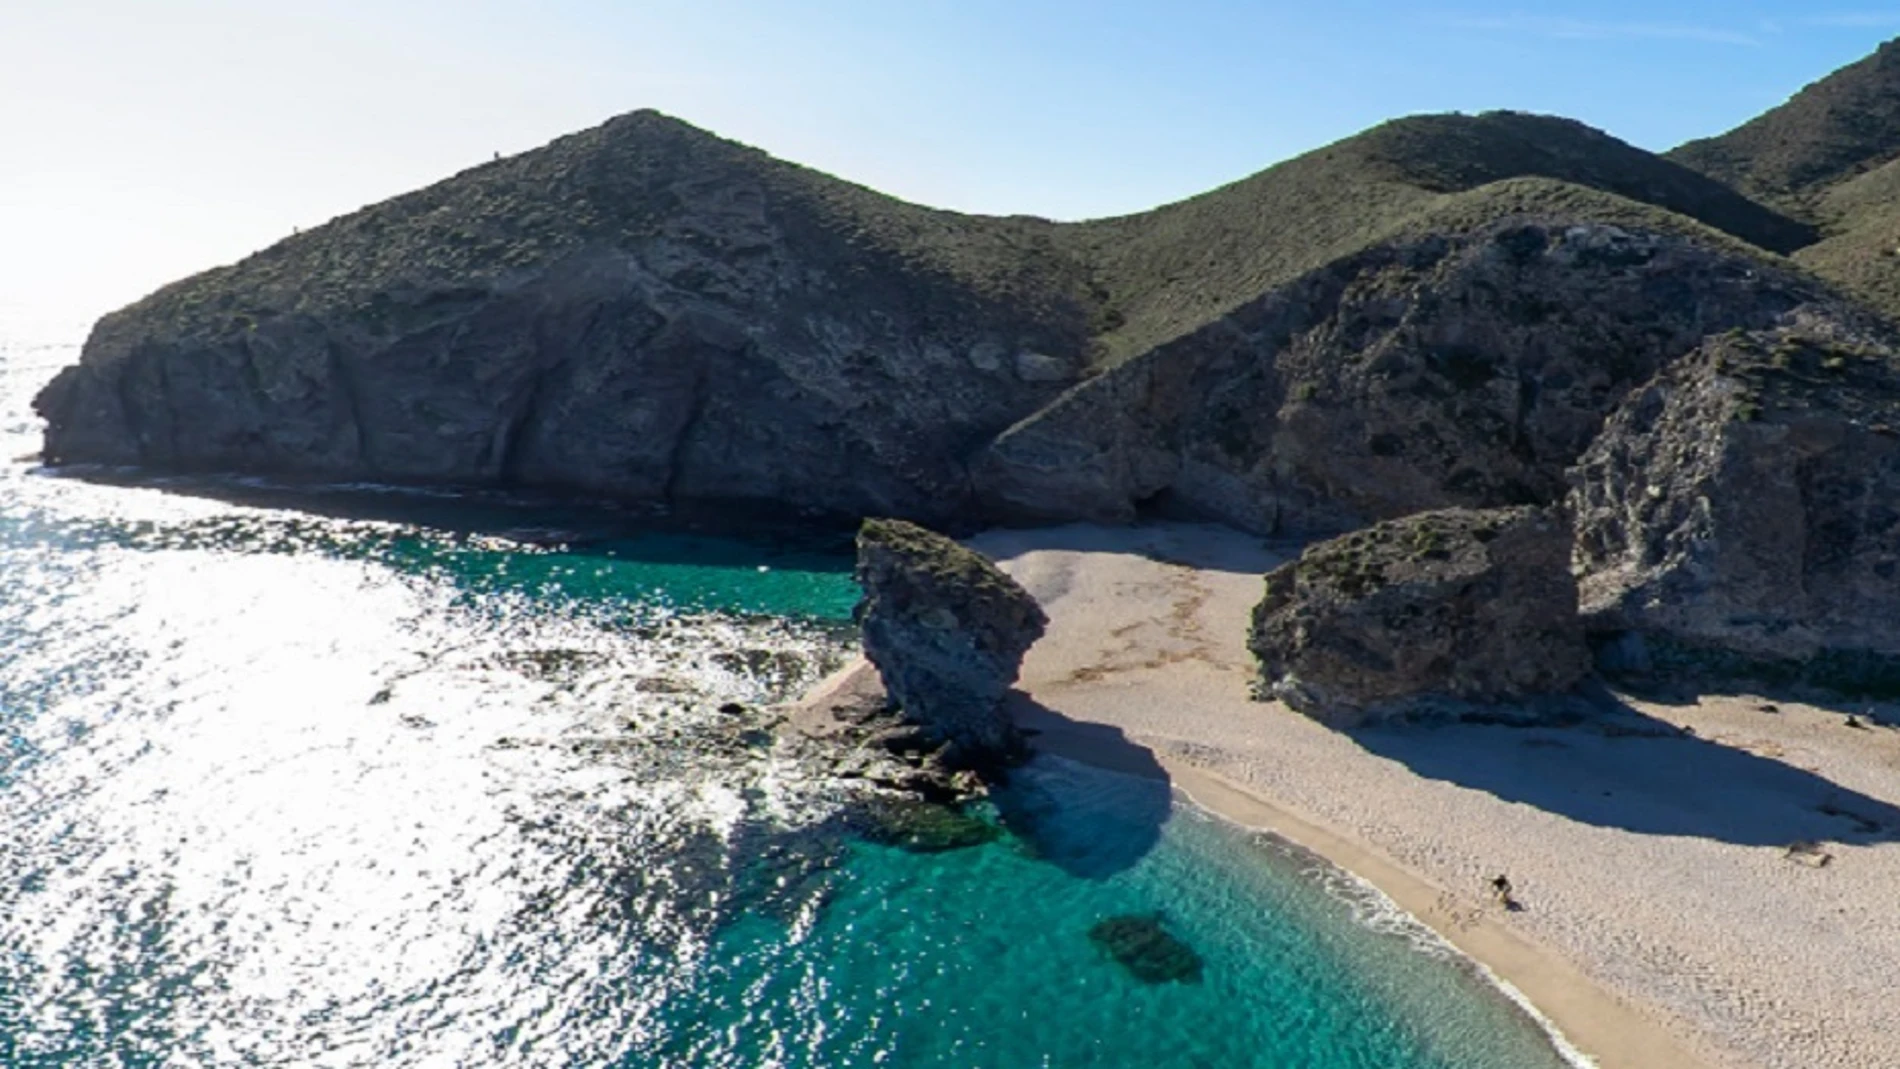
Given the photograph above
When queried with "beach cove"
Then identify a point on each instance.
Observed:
(458, 785)
(1699, 881)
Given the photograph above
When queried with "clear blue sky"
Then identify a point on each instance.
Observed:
(140, 140)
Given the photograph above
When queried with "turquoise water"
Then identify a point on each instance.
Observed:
(451, 787)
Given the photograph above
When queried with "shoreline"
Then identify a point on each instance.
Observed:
(1585, 1022)
(1702, 882)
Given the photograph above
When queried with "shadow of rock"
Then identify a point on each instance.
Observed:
(1630, 771)
(1089, 801)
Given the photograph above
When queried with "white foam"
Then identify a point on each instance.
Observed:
(1376, 910)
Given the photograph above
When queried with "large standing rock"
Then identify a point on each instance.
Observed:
(1742, 511)
(1421, 614)
(947, 630)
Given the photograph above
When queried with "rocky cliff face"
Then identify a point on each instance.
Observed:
(1743, 510)
(646, 312)
(947, 631)
(1425, 615)
(642, 311)
(1454, 370)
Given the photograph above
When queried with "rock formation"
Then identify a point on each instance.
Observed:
(1436, 312)
(641, 311)
(1742, 512)
(947, 631)
(1462, 370)
(1430, 614)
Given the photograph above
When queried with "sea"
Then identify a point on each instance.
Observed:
(358, 776)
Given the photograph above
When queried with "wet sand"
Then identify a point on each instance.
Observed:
(1702, 884)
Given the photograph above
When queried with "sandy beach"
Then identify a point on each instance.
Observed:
(1665, 921)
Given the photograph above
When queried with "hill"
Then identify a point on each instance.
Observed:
(1839, 127)
(641, 177)
(1172, 268)
(647, 311)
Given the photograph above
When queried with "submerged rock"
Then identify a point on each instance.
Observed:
(1146, 949)
(923, 827)
(1426, 614)
(947, 631)
(1741, 513)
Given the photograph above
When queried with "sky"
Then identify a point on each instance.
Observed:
(143, 140)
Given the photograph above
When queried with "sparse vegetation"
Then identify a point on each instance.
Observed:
(1129, 283)
(1840, 126)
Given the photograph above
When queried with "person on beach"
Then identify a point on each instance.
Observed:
(1501, 887)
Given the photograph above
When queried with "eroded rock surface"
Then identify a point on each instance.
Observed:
(1468, 369)
(1432, 613)
(1437, 312)
(641, 311)
(1742, 511)
(947, 631)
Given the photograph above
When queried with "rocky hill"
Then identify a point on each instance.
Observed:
(1841, 126)
(646, 311)
(1742, 511)
(642, 311)
(1443, 312)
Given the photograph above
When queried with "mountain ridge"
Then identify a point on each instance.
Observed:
(1441, 311)
(1834, 129)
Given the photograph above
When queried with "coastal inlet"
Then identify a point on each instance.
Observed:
(452, 786)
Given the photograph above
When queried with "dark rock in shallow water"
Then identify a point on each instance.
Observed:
(1145, 948)
(947, 631)
(926, 827)
(1428, 614)
(1741, 513)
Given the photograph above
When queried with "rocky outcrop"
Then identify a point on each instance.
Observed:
(1742, 511)
(1436, 312)
(1454, 370)
(642, 311)
(947, 631)
(1430, 614)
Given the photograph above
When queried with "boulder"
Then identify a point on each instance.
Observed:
(947, 630)
(1741, 513)
(1434, 613)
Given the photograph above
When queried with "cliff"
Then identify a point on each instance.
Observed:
(1467, 366)
(640, 311)
(1741, 514)
(644, 311)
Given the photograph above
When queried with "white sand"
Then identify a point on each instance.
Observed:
(1664, 924)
